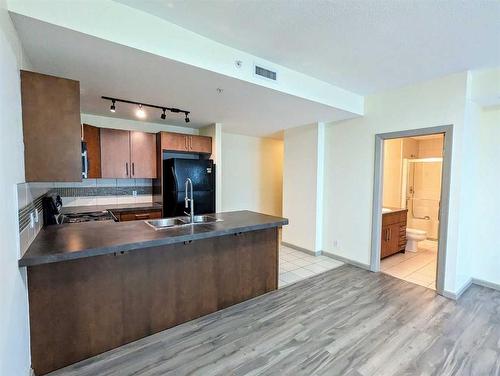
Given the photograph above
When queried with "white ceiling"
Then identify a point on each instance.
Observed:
(109, 69)
(360, 45)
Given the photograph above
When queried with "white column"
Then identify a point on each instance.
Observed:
(303, 175)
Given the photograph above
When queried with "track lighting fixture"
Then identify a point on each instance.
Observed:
(140, 113)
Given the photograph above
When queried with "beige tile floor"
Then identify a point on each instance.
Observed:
(416, 267)
(296, 265)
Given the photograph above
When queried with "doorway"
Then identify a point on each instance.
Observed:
(410, 206)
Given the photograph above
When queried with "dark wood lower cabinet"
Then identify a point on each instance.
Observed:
(135, 215)
(84, 307)
(393, 237)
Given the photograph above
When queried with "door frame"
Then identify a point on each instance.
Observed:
(447, 130)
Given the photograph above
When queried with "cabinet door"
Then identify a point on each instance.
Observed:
(200, 144)
(384, 249)
(51, 128)
(92, 136)
(140, 216)
(174, 141)
(143, 155)
(393, 239)
(115, 153)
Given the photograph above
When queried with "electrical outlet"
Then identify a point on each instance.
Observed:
(32, 220)
(134, 193)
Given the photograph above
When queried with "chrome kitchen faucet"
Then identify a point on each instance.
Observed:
(189, 200)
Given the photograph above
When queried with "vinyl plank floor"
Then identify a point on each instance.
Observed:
(345, 321)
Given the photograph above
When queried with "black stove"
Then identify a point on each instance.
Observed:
(87, 217)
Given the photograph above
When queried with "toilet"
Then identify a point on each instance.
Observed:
(413, 236)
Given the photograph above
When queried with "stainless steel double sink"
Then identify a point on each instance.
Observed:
(164, 223)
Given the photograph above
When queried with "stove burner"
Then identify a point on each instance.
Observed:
(87, 217)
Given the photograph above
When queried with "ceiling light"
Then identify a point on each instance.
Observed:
(163, 116)
(112, 108)
(140, 112)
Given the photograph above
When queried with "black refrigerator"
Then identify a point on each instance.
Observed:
(202, 174)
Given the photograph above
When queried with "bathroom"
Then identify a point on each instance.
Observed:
(411, 201)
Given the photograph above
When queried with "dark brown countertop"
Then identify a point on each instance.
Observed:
(58, 243)
(117, 208)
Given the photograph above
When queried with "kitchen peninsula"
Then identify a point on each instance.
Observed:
(97, 285)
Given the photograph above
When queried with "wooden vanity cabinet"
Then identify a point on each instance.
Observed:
(393, 237)
(127, 154)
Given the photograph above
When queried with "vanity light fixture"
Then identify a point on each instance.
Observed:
(140, 111)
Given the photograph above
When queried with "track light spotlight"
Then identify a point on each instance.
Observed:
(187, 119)
(140, 112)
(163, 116)
(112, 108)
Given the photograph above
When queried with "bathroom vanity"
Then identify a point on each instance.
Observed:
(393, 237)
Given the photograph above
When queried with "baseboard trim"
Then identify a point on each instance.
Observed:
(482, 282)
(346, 260)
(305, 250)
(458, 294)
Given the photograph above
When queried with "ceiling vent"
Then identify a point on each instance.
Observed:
(265, 73)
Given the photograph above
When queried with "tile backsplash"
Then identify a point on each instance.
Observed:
(87, 192)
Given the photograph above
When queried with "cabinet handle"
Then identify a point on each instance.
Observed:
(126, 168)
(142, 216)
(133, 169)
(390, 234)
(191, 142)
(186, 143)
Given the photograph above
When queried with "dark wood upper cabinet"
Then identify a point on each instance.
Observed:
(200, 144)
(127, 154)
(51, 128)
(174, 141)
(186, 143)
(143, 154)
(92, 137)
(115, 153)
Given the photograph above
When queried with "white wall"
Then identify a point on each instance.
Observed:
(484, 242)
(303, 186)
(252, 174)
(349, 166)
(14, 330)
